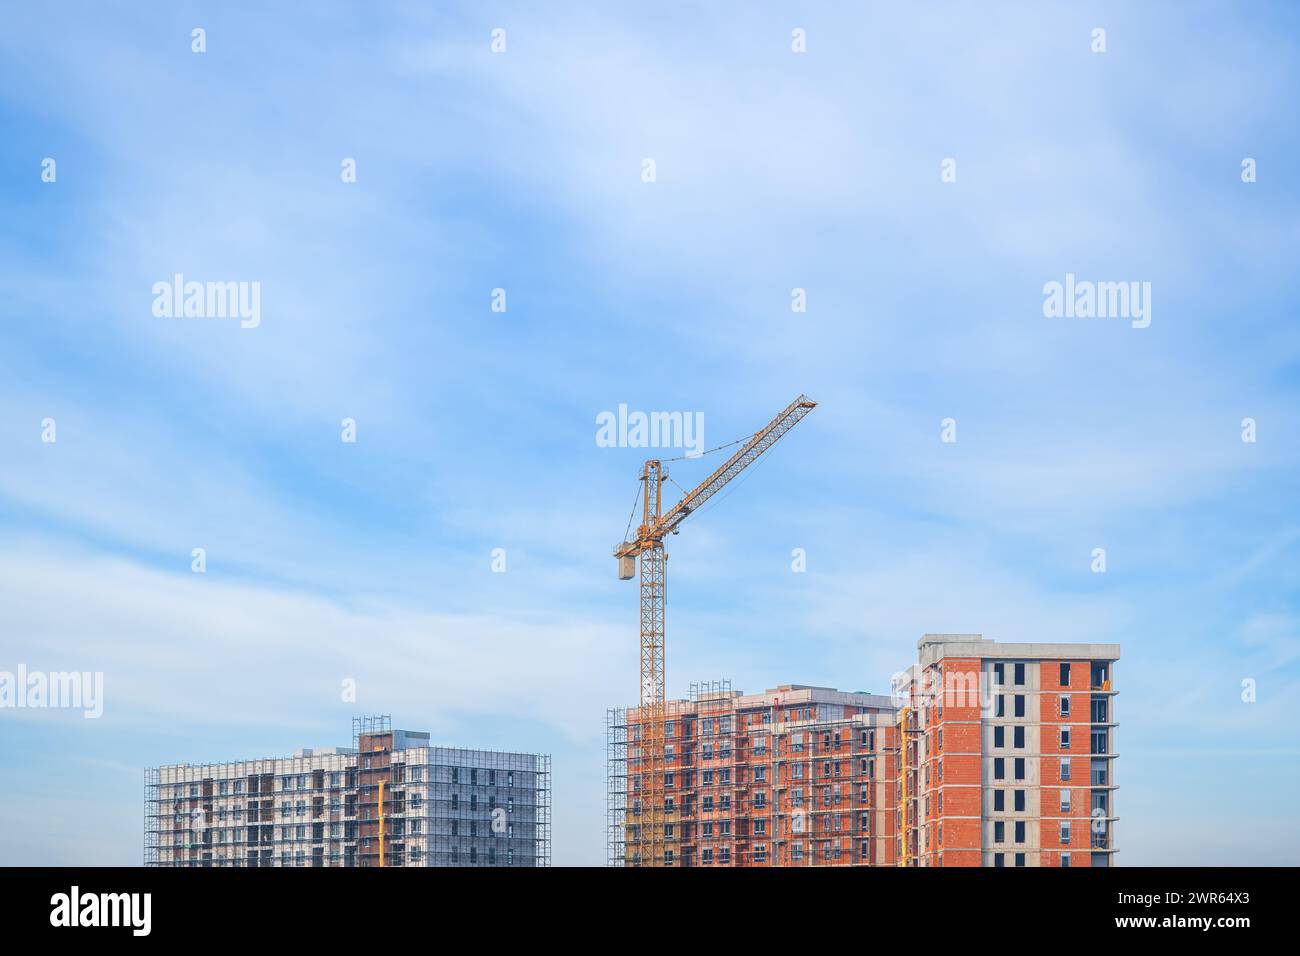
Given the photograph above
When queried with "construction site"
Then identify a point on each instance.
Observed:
(981, 753)
(811, 776)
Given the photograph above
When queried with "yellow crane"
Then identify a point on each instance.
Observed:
(647, 849)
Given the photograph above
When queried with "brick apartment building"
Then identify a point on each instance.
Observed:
(1009, 754)
(986, 754)
(441, 806)
(793, 776)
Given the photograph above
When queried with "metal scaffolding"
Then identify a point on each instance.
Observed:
(151, 816)
(442, 806)
(769, 781)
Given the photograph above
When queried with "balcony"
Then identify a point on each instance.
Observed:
(1099, 678)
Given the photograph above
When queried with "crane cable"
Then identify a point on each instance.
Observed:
(710, 505)
(711, 450)
(632, 517)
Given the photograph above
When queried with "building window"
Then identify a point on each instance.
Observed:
(999, 800)
(1020, 831)
(1019, 801)
(1020, 705)
(999, 674)
(1020, 859)
(1065, 834)
(1099, 710)
(998, 859)
(1065, 801)
(999, 831)
(1065, 768)
(1065, 675)
(1000, 709)
(1018, 733)
(999, 768)
(1065, 705)
(1020, 768)
(999, 737)
(1020, 675)
(1065, 859)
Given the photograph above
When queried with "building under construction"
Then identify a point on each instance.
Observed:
(985, 754)
(794, 776)
(1009, 754)
(391, 799)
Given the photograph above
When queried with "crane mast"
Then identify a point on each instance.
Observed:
(649, 846)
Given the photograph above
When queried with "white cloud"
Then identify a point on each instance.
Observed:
(191, 649)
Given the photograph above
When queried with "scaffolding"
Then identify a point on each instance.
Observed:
(368, 724)
(543, 796)
(616, 786)
(796, 776)
(442, 806)
(151, 816)
(488, 808)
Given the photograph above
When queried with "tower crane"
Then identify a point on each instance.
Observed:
(647, 545)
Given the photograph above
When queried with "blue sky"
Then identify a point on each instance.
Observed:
(476, 429)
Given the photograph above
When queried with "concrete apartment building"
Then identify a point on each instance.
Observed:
(986, 754)
(440, 806)
(794, 776)
(1009, 754)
